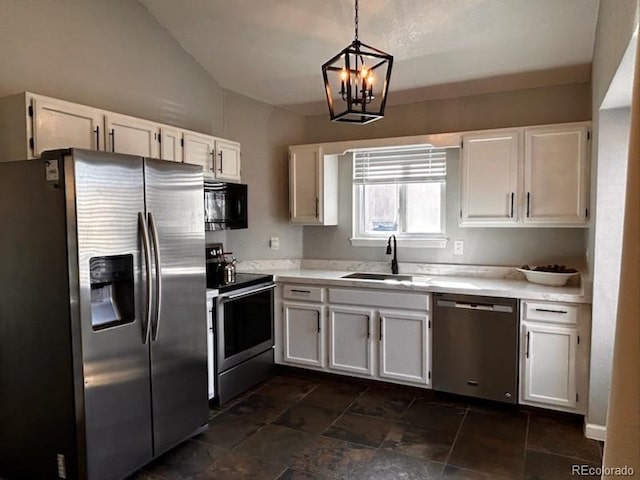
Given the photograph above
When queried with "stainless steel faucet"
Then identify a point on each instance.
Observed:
(394, 261)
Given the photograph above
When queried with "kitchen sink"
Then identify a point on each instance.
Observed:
(379, 276)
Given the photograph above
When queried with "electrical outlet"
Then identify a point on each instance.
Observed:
(274, 243)
(458, 247)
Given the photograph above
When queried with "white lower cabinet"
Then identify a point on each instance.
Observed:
(366, 334)
(404, 346)
(554, 345)
(350, 339)
(303, 334)
(550, 365)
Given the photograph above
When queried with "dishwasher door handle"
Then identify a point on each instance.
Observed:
(475, 306)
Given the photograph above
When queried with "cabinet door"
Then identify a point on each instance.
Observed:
(132, 136)
(549, 358)
(556, 175)
(170, 144)
(404, 346)
(199, 150)
(58, 124)
(303, 334)
(350, 342)
(489, 172)
(227, 161)
(304, 184)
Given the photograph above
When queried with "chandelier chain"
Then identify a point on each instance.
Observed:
(356, 20)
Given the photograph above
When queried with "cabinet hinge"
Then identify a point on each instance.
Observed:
(577, 398)
(182, 142)
(578, 339)
(429, 374)
(31, 110)
(460, 213)
(159, 138)
(429, 323)
(586, 213)
(588, 134)
(462, 144)
(32, 144)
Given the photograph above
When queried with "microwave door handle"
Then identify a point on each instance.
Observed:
(146, 247)
(156, 256)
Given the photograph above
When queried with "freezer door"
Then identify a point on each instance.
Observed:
(175, 214)
(109, 203)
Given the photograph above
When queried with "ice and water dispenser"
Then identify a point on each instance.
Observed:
(112, 291)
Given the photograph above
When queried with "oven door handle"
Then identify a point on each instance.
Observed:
(245, 294)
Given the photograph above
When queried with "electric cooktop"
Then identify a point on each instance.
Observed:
(241, 280)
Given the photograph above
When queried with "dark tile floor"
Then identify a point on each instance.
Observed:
(302, 426)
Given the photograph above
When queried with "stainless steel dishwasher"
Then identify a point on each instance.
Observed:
(475, 346)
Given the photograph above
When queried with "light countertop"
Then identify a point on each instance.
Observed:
(491, 287)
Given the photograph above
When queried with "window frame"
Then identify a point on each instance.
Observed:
(360, 238)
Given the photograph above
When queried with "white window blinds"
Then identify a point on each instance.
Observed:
(406, 164)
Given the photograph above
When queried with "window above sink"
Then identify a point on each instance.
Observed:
(400, 191)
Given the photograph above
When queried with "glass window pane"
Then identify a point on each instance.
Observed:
(424, 209)
(380, 204)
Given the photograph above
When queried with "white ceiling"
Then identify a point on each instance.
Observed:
(272, 50)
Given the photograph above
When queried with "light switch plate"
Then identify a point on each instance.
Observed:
(274, 243)
(458, 247)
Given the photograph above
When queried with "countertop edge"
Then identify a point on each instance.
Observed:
(519, 289)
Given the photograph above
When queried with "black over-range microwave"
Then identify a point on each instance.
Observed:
(225, 205)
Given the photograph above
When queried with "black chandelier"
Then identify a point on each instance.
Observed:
(356, 73)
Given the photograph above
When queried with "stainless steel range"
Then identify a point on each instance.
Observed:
(243, 333)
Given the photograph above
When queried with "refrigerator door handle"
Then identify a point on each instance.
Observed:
(146, 247)
(156, 258)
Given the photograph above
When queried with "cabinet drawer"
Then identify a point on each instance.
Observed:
(303, 292)
(376, 298)
(550, 312)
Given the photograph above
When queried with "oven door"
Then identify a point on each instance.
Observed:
(244, 324)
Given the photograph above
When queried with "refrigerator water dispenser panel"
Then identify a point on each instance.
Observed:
(112, 291)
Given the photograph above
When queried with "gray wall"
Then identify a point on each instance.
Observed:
(496, 246)
(533, 106)
(611, 178)
(107, 54)
(114, 55)
(499, 246)
(265, 133)
(616, 22)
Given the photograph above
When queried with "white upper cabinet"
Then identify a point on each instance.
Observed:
(31, 124)
(170, 144)
(313, 186)
(131, 135)
(58, 124)
(556, 176)
(526, 177)
(199, 150)
(489, 172)
(227, 160)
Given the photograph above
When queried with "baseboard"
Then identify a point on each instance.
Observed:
(595, 432)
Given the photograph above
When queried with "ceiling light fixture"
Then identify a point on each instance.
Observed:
(360, 74)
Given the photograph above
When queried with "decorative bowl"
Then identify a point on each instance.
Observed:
(552, 279)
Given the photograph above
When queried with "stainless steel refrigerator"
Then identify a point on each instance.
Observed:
(103, 361)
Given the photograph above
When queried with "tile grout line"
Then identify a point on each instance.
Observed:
(526, 446)
(446, 461)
